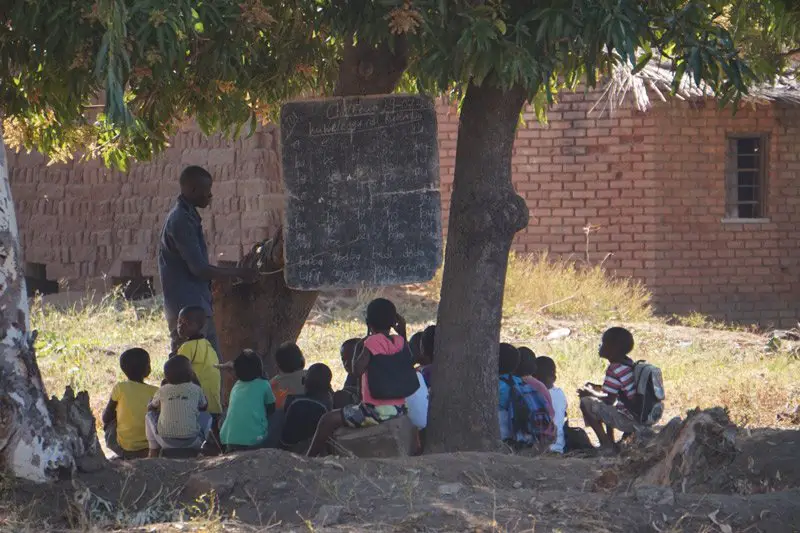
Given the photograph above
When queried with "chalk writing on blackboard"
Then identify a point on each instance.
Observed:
(363, 203)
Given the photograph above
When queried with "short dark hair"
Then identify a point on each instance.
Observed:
(194, 313)
(619, 338)
(289, 358)
(509, 358)
(178, 370)
(135, 363)
(381, 314)
(429, 341)
(527, 362)
(247, 366)
(192, 174)
(545, 366)
(348, 346)
(415, 344)
(318, 379)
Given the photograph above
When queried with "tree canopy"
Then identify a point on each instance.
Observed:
(113, 78)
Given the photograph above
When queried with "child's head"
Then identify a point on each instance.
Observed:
(348, 352)
(546, 371)
(509, 358)
(247, 366)
(616, 345)
(318, 379)
(381, 315)
(527, 362)
(415, 345)
(178, 370)
(428, 344)
(191, 322)
(135, 363)
(289, 358)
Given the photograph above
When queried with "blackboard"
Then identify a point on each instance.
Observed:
(362, 181)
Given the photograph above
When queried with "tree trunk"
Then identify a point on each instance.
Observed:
(261, 316)
(485, 213)
(267, 314)
(40, 439)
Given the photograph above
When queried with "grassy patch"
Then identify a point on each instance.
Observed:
(558, 288)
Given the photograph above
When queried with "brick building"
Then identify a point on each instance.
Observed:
(698, 203)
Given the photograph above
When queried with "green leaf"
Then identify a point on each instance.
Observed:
(643, 61)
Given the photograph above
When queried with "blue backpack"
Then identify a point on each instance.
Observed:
(524, 420)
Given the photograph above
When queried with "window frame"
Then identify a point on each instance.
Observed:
(732, 202)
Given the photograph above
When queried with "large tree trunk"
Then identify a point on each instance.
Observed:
(40, 439)
(267, 314)
(485, 213)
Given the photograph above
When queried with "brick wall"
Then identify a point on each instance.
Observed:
(83, 221)
(650, 184)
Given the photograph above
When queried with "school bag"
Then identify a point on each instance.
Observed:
(524, 420)
(649, 387)
(392, 376)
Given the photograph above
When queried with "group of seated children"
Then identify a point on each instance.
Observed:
(299, 411)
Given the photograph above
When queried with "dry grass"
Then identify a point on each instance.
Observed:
(703, 366)
(559, 288)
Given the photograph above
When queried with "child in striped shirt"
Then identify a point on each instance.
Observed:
(614, 403)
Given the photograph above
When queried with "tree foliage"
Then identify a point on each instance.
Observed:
(113, 78)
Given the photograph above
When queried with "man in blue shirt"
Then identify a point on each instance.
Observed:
(183, 256)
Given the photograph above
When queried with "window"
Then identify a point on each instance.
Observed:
(746, 177)
(36, 280)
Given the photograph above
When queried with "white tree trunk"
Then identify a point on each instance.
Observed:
(40, 439)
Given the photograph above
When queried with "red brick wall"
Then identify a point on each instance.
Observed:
(651, 183)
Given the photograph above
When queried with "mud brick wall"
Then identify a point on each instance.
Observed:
(652, 185)
(84, 222)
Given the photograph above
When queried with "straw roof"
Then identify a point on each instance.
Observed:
(656, 78)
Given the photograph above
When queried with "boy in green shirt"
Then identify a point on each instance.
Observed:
(251, 403)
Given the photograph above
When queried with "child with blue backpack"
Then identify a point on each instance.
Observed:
(524, 414)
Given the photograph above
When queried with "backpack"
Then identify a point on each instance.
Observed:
(392, 376)
(524, 420)
(649, 387)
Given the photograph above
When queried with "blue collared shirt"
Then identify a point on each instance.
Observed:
(182, 253)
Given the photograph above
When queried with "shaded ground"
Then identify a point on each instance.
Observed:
(758, 490)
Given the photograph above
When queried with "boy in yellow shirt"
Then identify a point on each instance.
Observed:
(123, 418)
(204, 359)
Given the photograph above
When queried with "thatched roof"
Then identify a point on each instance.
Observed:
(656, 79)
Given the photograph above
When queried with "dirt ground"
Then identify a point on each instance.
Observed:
(754, 486)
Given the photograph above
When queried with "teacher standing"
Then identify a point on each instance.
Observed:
(183, 256)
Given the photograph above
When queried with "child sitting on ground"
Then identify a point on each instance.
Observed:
(384, 364)
(523, 413)
(527, 371)
(246, 424)
(614, 402)
(204, 359)
(177, 417)
(350, 393)
(123, 418)
(290, 361)
(303, 412)
(546, 373)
